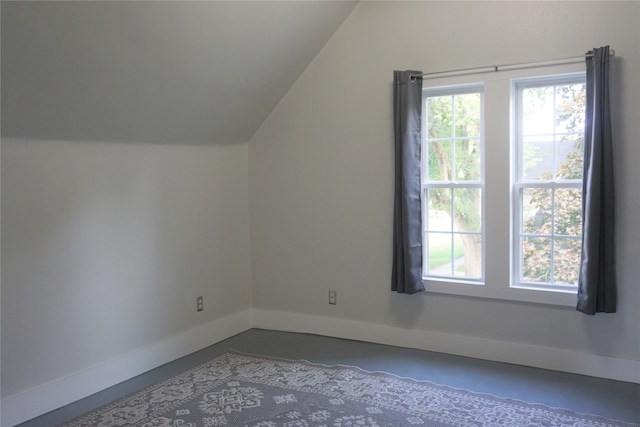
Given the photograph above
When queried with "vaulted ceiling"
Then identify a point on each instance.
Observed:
(174, 72)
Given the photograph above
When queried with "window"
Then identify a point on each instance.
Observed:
(547, 190)
(502, 184)
(452, 183)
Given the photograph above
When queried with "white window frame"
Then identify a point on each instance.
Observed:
(498, 120)
(427, 92)
(520, 184)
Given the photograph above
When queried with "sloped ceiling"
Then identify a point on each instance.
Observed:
(174, 72)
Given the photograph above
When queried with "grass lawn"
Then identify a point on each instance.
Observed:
(441, 254)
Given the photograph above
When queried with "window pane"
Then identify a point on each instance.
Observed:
(550, 144)
(570, 156)
(537, 104)
(468, 255)
(440, 117)
(467, 160)
(570, 113)
(536, 259)
(567, 260)
(537, 158)
(467, 205)
(568, 211)
(467, 115)
(452, 156)
(440, 256)
(440, 160)
(536, 210)
(439, 210)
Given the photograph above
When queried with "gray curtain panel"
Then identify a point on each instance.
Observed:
(407, 216)
(597, 282)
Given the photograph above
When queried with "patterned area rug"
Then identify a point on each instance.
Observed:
(254, 391)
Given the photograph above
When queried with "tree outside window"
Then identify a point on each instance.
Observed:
(548, 182)
(551, 141)
(452, 184)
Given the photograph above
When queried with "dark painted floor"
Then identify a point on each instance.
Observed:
(611, 399)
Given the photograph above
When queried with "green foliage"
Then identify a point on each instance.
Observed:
(565, 202)
(454, 155)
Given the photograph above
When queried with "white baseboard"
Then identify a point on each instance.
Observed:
(47, 397)
(500, 351)
(40, 400)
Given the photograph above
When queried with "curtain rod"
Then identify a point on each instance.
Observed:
(496, 68)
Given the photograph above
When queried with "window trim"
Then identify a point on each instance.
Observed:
(497, 197)
(452, 90)
(518, 184)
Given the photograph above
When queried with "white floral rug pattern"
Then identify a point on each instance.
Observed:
(254, 391)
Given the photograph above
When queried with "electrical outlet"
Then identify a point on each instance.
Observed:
(200, 304)
(333, 297)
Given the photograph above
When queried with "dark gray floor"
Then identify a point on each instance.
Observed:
(611, 399)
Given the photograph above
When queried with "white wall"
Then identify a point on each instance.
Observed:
(105, 247)
(321, 170)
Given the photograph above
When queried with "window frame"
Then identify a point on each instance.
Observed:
(519, 184)
(425, 184)
(497, 151)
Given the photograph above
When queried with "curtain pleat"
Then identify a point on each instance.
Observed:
(407, 216)
(597, 281)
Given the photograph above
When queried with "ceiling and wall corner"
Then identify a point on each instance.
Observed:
(172, 72)
(124, 175)
(321, 171)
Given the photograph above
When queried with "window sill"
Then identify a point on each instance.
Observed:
(519, 294)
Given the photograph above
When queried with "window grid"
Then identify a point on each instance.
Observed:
(554, 184)
(451, 183)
